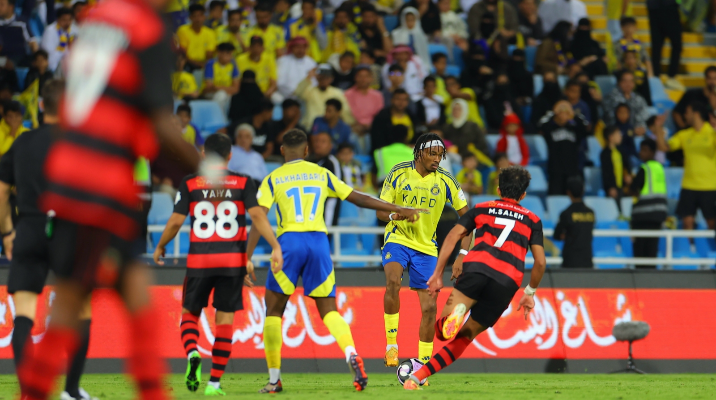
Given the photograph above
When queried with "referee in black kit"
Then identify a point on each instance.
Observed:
(28, 245)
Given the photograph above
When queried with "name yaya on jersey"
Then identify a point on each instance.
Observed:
(506, 213)
(299, 177)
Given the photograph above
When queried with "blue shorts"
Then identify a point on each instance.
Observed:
(421, 266)
(306, 255)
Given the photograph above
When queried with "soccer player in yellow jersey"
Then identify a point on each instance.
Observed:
(418, 183)
(300, 189)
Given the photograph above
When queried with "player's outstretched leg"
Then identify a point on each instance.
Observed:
(221, 352)
(190, 336)
(391, 307)
(342, 333)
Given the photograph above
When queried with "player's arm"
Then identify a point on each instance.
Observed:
(260, 224)
(464, 248)
(170, 231)
(540, 264)
(366, 201)
(458, 233)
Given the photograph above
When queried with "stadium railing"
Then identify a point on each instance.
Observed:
(667, 261)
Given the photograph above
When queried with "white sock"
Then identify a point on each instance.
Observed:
(274, 375)
(191, 354)
(391, 346)
(216, 385)
(350, 350)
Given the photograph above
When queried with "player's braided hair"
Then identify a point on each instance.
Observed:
(424, 141)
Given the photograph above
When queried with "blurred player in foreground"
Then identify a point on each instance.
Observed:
(418, 183)
(118, 101)
(299, 189)
(217, 256)
(29, 251)
(492, 270)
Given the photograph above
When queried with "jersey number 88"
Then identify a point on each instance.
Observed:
(226, 213)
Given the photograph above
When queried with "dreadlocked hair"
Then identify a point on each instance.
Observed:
(424, 141)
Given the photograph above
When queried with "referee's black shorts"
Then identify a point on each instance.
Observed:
(228, 292)
(492, 297)
(692, 200)
(30, 256)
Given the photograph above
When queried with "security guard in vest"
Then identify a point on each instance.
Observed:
(650, 208)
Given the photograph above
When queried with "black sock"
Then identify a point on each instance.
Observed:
(23, 331)
(77, 366)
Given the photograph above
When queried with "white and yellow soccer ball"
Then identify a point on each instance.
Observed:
(408, 367)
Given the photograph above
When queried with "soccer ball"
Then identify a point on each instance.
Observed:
(407, 367)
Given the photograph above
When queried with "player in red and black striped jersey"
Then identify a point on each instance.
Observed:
(217, 256)
(118, 102)
(492, 270)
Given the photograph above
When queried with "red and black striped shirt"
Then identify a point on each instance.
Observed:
(504, 230)
(118, 75)
(217, 243)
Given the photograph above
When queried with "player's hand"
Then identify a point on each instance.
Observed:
(276, 260)
(528, 303)
(457, 267)
(398, 217)
(7, 242)
(435, 283)
(411, 214)
(250, 277)
(158, 254)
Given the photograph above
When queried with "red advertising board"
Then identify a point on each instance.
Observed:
(566, 323)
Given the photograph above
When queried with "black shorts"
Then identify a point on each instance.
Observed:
(691, 200)
(77, 252)
(492, 297)
(30, 256)
(228, 292)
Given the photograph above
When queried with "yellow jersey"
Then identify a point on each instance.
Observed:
(265, 69)
(274, 38)
(404, 120)
(224, 35)
(405, 187)
(196, 44)
(699, 157)
(300, 189)
(6, 140)
(183, 83)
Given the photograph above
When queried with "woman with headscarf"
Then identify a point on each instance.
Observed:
(411, 34)
(521, 80)
(500, 103)
(246, 102)
(466, 135)
(545, 101)
(553, 54)
(587, 51)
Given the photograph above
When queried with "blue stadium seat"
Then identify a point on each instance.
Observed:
(391, 22)
(682, 249)
(606, 83)
(353, 252)
(481, 198)
(538, 184)
(611, 246)
(511, 48)
(627, 203)
(526, 112)
(555, 206)
(538, 149)
(271, 166)
(658, 92)
(592, 180)
(328, 19)
(538, 84)
(435, 48)
(534, 204)
(453, 70)
(162, 208)
(674, 175)
(562, 80)
(595, 149)
(605, 208)
(21, 73)
(207, 115)
(36, 26)
(277, 114)
(530, 55)
(492, 142)
(457, 55)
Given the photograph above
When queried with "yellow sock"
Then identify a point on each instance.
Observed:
(425, 351)
(273, 341)
(341, 331)
(391, 328)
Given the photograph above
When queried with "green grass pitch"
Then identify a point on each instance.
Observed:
(443, 386)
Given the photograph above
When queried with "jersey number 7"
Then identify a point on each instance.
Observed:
(509, 225)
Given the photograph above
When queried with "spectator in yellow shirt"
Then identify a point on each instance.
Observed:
(196, 40)
(273, 36)
(263, 65)
(342, 36)
(183, 83)
(310, 26)
(221, 77)
(232, 33)
(10, 126)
